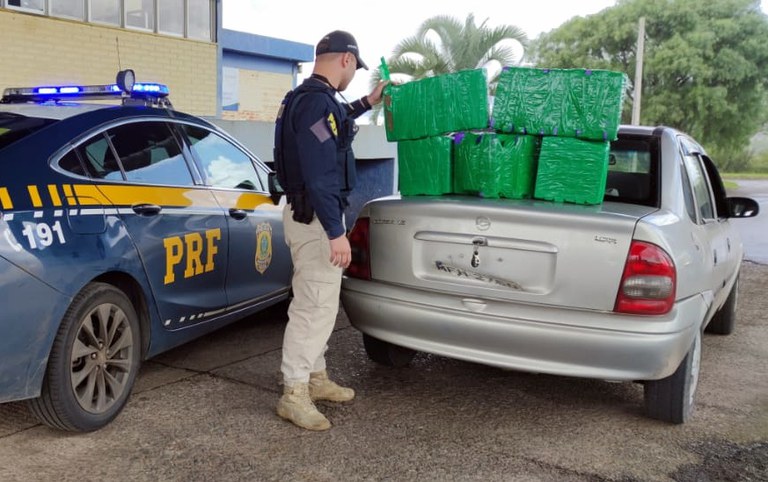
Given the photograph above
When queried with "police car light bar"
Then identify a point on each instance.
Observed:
(66, 92)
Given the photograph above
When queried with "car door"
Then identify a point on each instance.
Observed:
(259, 262)
(732, 252)
(178, 227)
(708, 232)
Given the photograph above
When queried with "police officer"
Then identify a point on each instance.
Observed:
(316, 167)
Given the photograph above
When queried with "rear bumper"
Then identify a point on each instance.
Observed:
(29, 317)
(526, 337)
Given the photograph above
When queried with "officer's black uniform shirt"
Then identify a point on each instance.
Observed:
(317, 139)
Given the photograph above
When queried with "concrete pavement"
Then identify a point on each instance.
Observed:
(205, 411)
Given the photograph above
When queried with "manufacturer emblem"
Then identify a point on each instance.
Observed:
(482, 223)
(263, 247)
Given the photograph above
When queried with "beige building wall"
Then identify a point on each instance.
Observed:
(259, 95)
(41, 50)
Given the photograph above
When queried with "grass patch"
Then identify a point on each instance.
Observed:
(744, 175)
(728, 185)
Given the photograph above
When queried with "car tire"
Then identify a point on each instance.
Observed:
(725, 319)
(671, 399)
(93, 362)
(386, 353)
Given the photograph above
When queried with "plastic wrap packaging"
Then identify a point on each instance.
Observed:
(436, 105)
(560, 102)
(492, 165)
(572, 170)
(425, 166)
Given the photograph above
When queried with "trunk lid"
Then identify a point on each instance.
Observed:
(518, 250)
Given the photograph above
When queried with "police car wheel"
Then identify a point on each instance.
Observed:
(93, 362)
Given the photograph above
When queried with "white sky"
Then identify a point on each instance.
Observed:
(379, 26)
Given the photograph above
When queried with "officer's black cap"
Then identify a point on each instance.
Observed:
(340, 41)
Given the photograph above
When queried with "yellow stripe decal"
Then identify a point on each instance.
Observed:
(162, 196)
(5, 199)
(34, 195)
(71, 201)
(54, 192)
(248, 201)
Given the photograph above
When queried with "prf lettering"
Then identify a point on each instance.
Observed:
(191, 247)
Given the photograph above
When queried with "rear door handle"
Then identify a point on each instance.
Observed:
(238, 213)
(146, 209)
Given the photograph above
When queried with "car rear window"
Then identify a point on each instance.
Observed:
(632, 172)
(14, 127)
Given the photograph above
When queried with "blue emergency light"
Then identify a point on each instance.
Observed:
(127, 90)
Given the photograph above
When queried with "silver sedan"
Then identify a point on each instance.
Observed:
(619, 291)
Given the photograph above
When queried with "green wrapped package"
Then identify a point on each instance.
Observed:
(560, 102)
(494, 165)
(424, 166)
(572, 170)
(436, 105)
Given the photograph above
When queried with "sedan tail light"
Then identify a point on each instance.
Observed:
(359, 240)
(649, 281)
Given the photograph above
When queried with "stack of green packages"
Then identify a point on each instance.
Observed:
(581, 109)
(436, 105)
(560, 102)
(425, 167)
(494, 165)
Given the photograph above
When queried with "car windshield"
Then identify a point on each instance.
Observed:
(14, 127)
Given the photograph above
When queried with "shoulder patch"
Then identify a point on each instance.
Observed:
(332, 125)
(321, 130)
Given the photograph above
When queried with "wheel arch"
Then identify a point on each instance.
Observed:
(136, 294)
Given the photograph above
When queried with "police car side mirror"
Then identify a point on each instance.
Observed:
(275, 189)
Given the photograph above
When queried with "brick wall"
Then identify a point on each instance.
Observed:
(259, 95)
(39, 50)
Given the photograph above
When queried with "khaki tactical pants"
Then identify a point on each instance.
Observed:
(312, 312)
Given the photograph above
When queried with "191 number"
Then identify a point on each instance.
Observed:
(43, 234)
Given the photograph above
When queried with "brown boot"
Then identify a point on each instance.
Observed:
(296, 406)
(322, 388)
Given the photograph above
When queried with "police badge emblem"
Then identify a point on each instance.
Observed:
(263, 247)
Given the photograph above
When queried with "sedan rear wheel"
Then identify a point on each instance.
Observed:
(386, 353)
(93, 362)
(671, 399)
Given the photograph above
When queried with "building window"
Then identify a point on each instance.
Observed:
(199, 19)
(182, 18)
(33, 5)
(140, 14)
(68, 8)
(171, 17)
(105, 11)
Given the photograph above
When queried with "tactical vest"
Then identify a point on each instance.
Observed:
(286, 150)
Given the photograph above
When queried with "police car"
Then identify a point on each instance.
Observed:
(125, 230)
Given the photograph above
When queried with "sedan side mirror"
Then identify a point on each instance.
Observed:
(742, 207)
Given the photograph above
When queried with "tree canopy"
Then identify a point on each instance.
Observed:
(705, 63)
(444, 44)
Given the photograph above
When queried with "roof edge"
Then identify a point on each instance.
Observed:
(248, 43)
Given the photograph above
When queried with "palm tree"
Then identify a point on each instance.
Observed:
(443, 45)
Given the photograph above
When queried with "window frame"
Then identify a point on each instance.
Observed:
(87, 136)
(694, 152)
(44, 10)
(259, 167)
